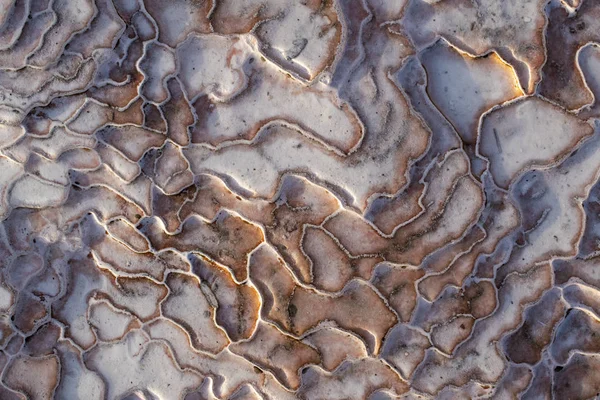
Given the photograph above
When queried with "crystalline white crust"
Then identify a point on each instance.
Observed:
(315, 199)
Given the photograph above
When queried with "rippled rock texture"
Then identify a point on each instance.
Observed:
(299, 199)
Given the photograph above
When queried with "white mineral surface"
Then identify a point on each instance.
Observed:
(299, 199)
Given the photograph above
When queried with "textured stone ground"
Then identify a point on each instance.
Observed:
(299, 199)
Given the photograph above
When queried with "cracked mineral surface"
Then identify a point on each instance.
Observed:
(299, 199)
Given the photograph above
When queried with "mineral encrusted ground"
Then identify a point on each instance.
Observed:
(285, 199)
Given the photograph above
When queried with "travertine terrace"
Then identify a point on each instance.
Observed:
(299, 199)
